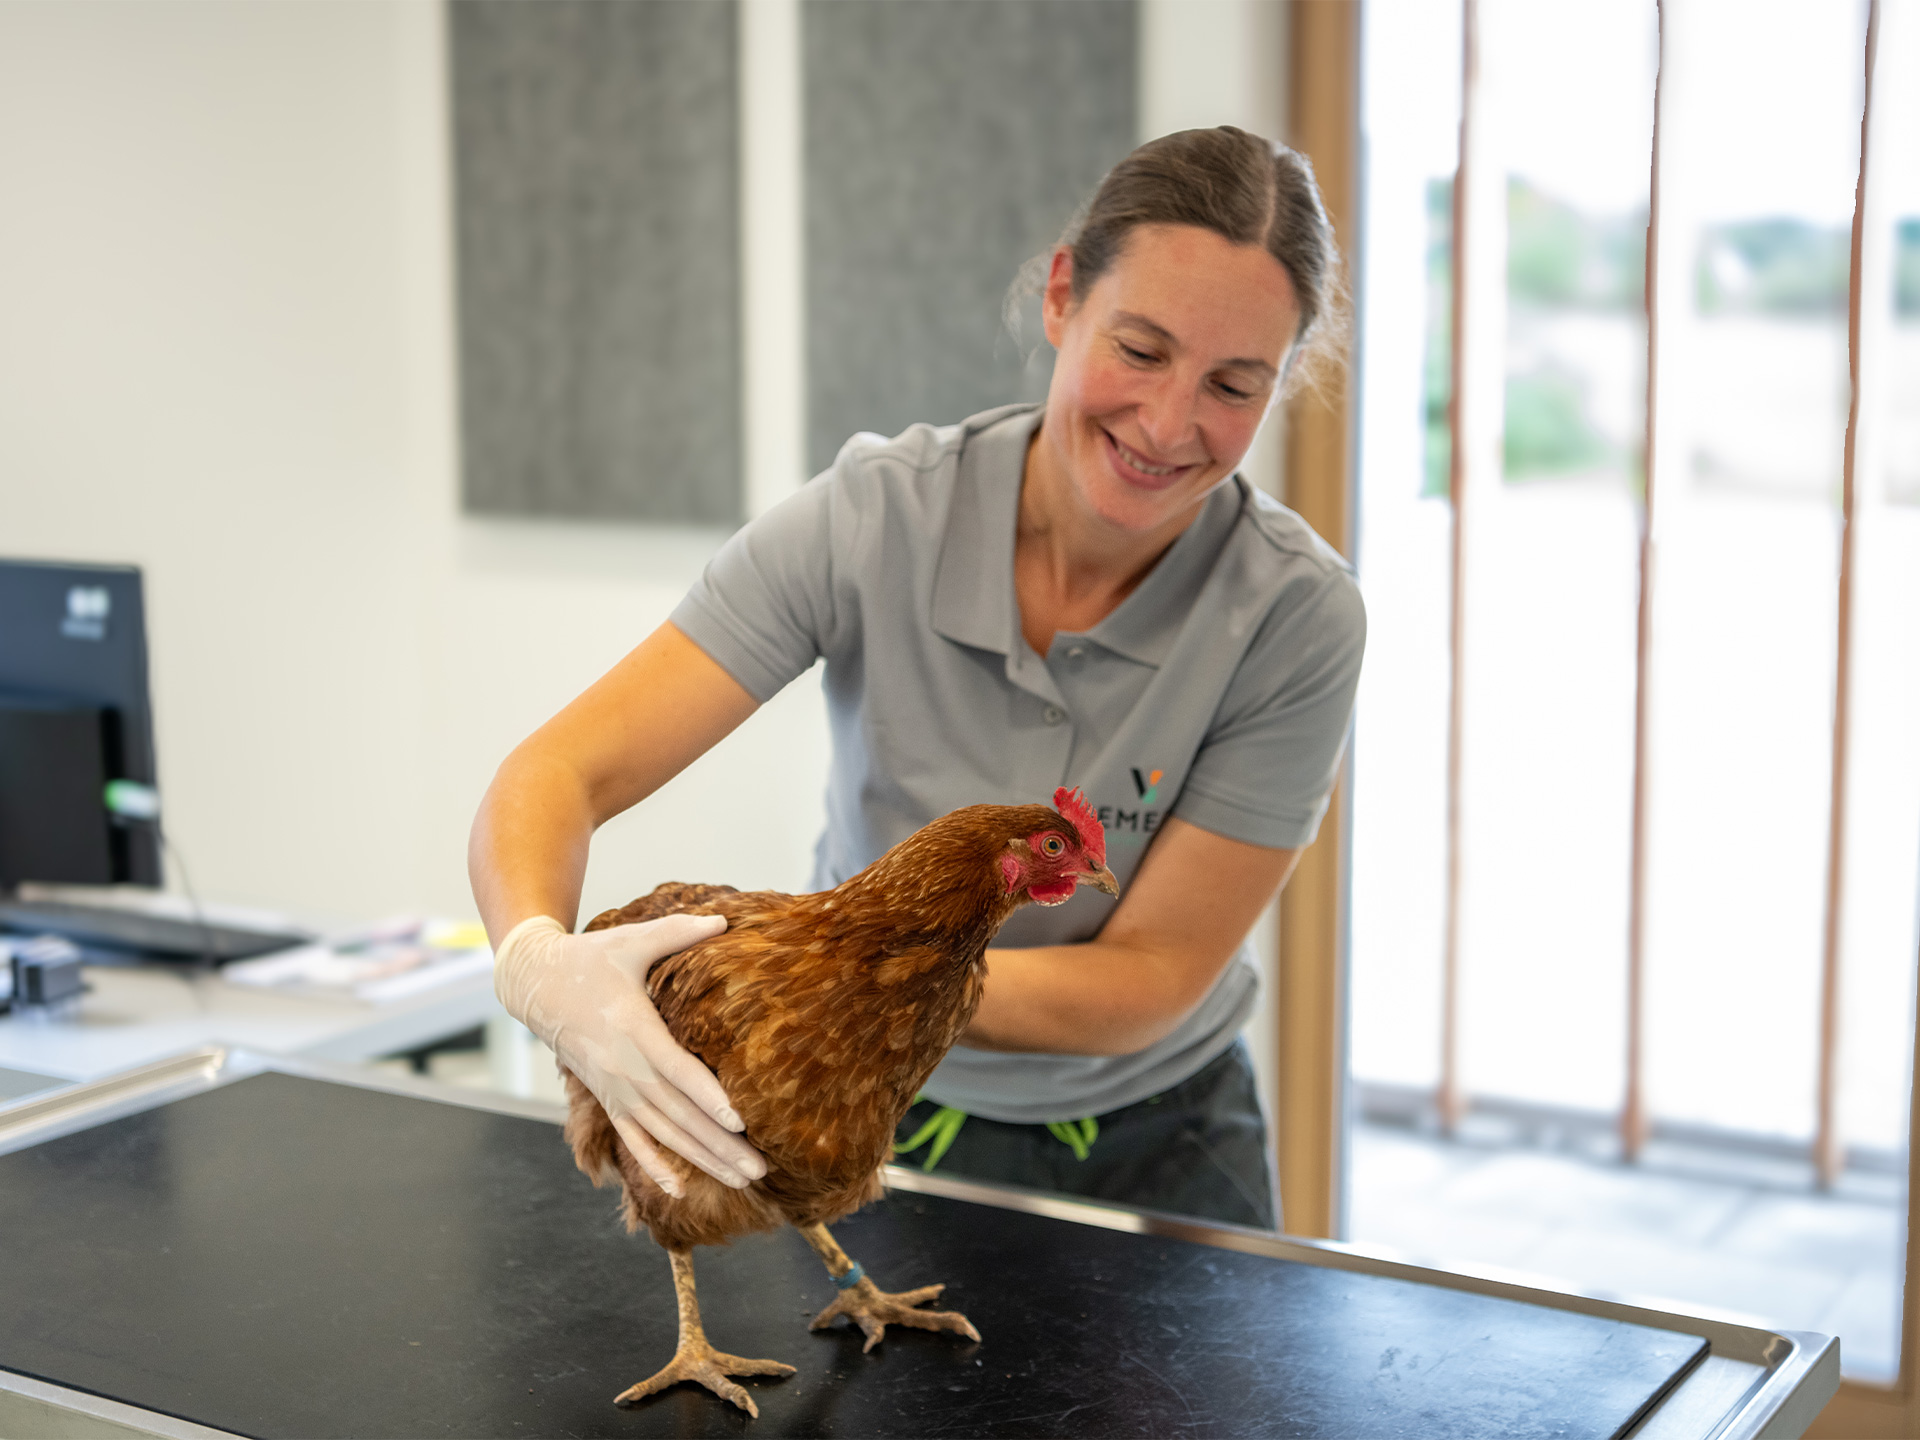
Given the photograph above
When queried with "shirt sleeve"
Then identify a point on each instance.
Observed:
(764, 606)
(1270, 758)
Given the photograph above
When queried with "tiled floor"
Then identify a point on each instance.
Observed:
(1685, 1229)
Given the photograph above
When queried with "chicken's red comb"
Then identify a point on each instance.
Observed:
(1093, 835)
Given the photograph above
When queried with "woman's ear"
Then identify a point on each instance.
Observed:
(1056, 302)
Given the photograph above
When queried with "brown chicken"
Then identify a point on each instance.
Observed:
(822, 1015)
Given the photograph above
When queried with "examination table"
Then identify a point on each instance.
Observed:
(227, 1244)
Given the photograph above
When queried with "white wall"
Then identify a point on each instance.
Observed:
(226, 356)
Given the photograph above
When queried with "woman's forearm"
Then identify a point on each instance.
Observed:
(527, 853)
(1179, 921)
(637, 727)
(1098, 998)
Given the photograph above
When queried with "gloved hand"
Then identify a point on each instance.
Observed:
(586, 997)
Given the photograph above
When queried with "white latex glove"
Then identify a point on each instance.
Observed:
(586, 997)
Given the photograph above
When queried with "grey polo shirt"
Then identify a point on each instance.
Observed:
(1219, 691)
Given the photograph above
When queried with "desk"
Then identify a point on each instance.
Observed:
(131, 1016)
(200, 1257)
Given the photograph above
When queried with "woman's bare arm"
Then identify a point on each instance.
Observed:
(643, 722)
(1186, 910)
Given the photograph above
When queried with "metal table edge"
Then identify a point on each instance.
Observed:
(112, 1417)
(1798, 1371)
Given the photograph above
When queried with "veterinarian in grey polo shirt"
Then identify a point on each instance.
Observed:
(1219, 691)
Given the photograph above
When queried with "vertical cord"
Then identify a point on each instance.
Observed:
(207, 947)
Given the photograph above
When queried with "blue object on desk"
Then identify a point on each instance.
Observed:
(43, 971)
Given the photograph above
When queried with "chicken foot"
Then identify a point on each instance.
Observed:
(870, 1307)
(696, 1360)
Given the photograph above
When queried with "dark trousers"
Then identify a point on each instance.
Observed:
(1198, 1149)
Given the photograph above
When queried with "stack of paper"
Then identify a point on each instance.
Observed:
(384, 963)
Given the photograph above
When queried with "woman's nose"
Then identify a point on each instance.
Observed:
(1166, 417)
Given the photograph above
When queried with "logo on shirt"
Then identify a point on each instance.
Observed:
(1135, 826)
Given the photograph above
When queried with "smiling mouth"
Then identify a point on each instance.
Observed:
(1135, 461)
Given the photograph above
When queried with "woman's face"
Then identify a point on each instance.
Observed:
(1165, 369)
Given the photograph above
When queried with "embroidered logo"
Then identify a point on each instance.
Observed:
(1147, 785)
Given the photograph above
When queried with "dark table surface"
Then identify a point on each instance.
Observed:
(291, 1257)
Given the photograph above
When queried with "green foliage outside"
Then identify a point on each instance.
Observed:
(1547, 430)
(1437, 388)
(1774, 267)
(1906, 267)
(1565, 259)
(1559, 259)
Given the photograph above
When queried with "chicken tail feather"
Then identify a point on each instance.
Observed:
(590, 1133)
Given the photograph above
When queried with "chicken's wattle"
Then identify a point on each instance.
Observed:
(1052, 892)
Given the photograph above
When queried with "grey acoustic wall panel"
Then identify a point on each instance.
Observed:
(946, 142)
(596, 172)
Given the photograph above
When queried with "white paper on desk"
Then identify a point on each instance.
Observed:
(301, 965)
(379, 973)
(458, 965)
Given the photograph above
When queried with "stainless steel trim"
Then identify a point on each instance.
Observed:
(34, 1407)
(37, 1118)
(43, 1116)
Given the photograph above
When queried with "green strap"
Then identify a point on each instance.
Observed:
(944, 1125)
(1077, 1135)
(941, 1128)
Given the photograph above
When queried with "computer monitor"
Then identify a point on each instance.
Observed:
(74, 714)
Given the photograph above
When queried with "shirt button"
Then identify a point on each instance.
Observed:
(1053, 714)
(1077, 652)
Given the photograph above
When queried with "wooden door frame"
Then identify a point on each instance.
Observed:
(1323, 53)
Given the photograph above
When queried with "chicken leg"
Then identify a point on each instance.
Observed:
(695, 1359)
(870, 1307)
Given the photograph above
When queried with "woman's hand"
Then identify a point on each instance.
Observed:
(586, 997)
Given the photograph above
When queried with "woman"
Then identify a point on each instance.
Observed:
(1083, 594)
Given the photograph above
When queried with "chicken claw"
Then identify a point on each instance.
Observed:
(696, 1360)
(699, 1362)
(873, 1309)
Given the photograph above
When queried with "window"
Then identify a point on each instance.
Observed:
(1637, 844)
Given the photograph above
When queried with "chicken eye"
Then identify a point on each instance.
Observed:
(1052, 846)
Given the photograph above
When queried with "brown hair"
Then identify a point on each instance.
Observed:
(1246, 190)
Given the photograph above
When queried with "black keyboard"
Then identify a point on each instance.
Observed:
(110, 932)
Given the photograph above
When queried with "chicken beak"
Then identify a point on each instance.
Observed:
(1102, 879)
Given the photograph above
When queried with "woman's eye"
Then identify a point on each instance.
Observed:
(1232, 392)
(1139, 357)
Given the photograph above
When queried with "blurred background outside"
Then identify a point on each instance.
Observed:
(1759, 152)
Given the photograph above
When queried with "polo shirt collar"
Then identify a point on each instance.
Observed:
(973, 596)
(973, 584)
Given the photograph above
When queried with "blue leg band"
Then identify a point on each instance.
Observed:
(852, 1278)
